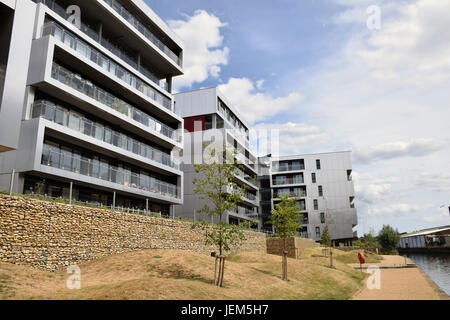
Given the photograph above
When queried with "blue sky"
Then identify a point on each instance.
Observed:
(315, 71)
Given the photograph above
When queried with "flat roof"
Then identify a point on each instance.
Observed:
(426, 231)
(305, 154)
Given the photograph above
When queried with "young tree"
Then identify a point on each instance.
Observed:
(286, 220)
(388, 238)
(326, 239)
(216, 184)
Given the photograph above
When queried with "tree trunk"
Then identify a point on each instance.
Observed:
(218, 274)
(284, 264)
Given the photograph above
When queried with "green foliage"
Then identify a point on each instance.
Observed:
(286, 217)
(216, 184)
(222, 235)
(367, 241)
(388, 238)
(326, 239)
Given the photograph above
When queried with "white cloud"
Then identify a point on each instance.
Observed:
(413, 148)
(414, 47)
(439, 182)
(397, 209)
(292, 138)
(442, 217)
(204, 52)
(256, 106)
(372, 190)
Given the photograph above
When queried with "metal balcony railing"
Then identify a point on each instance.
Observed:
(283, 180)
(124, 13)
(86, 87)
(282, 168)
(94, 35)
(75, 121)
(68, 161)
(81, 47)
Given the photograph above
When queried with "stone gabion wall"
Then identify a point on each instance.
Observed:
(50, 235)
(293, 245)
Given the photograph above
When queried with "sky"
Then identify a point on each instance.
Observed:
(372, 77)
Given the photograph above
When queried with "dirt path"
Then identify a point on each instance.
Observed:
(401, 284)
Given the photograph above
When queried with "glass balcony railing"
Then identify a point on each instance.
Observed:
(291, 180)
(132, 61)
(124, 13)
(77, 122)
(76, 163)
(297, 194)
(51, 28)
(283, 167)
(86, 87)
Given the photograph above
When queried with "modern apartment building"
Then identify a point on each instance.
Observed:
(323, 183)
(86, 102)
(210, 118)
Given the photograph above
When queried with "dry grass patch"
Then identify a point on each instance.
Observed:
(174, 274)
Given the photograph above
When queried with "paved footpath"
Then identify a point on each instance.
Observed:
(401, 284)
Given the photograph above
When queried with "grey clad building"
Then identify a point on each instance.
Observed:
(87, 111)
(322, 182)
(208, 117)
(86, 102)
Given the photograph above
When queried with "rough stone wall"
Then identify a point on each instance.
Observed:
(50, 235)
(293, 245)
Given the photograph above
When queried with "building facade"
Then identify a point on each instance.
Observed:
(86, 102)
(323, 183)
(210, 118)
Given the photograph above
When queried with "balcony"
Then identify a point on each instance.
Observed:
(282, 167)
(75, 163)
(124, 13)
(278, 181)
(94, 35)
(77, 122)
(87, 88)
(81, 47)
(293, 194)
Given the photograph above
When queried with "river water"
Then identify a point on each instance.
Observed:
(436, 266)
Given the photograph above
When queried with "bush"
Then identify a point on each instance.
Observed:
(388, 238)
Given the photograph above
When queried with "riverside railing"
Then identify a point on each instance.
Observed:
(94, 35)
(75, 121)
(68, 38)
(66, 160)
(124, 13)
(86, 87)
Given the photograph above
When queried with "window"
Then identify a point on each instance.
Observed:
(352, 204)
(313, 177)
(320, 191)
(208, 122)
(316, 204)
(322, 217)
(317, 232)
(219, 123)
(318, 164)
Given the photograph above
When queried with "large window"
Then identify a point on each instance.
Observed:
(316, 204)
(320, 191)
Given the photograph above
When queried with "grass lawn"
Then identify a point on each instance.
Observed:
(175, 274)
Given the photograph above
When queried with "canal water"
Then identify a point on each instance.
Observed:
(436, 266)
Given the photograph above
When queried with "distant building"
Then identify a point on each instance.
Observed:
(323, 183)
(209, 116)
(426, 238)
